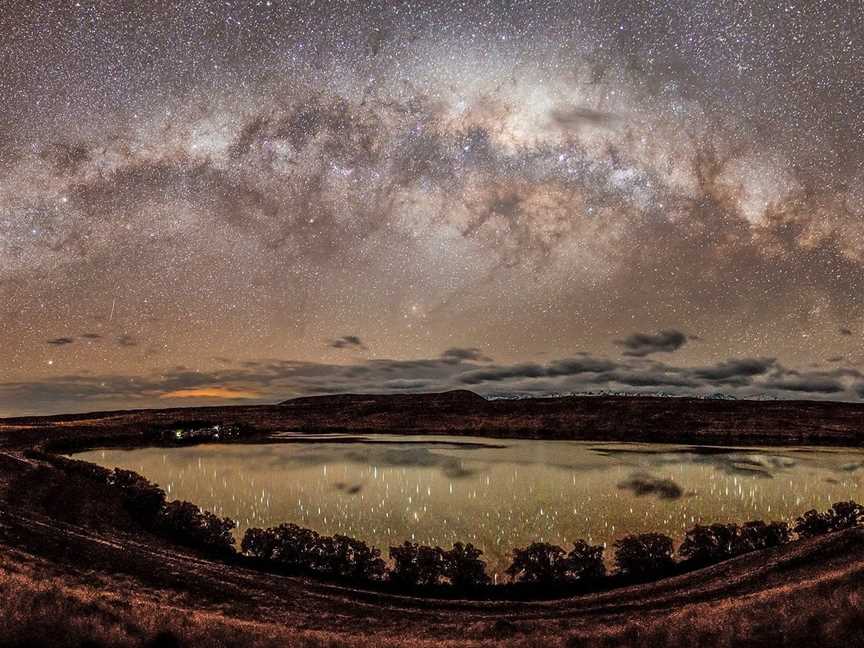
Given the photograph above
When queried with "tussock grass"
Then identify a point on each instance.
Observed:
(57, 612)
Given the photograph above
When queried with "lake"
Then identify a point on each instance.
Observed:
(495, 493)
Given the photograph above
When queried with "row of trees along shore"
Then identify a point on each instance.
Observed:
(289, 548)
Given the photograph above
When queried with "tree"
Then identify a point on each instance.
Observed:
(259, 543)
(842, 515)
(296, 547)
(706, 545)
(759, 535)
(540, 563)
(846, 515)
(585, 561)
(463, 567)
(812, 523)
(645, 555)
(416, 564)
(348, 557)
(141, 498)
(187, 524)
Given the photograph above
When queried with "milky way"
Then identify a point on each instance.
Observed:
(208, 202)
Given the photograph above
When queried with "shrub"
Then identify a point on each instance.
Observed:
(463, 567)
(585, 561)
(185, 523)
(416, 565)
(540, 563)
(645, 555)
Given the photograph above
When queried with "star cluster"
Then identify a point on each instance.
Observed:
(191, 191)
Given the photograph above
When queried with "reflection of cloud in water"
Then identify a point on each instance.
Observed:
(724, 460)
(448, 455)
(385, 457)
(345, 488)
(269, 456)
(644, 484)
(411, 458)
(852, 466)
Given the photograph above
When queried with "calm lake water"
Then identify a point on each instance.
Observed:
(495, 493)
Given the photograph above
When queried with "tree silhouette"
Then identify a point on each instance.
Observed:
(295, 546)
(463, 567)
(842, 515)
(302, 549)
(645, 555)
(347, 557)
(141, 498)
(845, 515)
(540, 563)
(812, 523)
(259, 543)
(187, 524)
(759, 535)
(705, 545)
(416, 564)
(585, 561)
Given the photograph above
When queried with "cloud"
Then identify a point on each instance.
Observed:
(736, 370)
(643, 344)
(579, 365)
(457, 354)
(812, 383)
(555, 369)
(226, 393)
(276, 380)
(497, 374)
(61, 341)
(651, 378)
(641, 484)
(347, 342)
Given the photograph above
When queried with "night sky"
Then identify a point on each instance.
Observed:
(206, 202)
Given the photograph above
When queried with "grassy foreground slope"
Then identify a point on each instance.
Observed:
(69, 586)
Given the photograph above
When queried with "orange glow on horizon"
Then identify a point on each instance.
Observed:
(212, 392)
